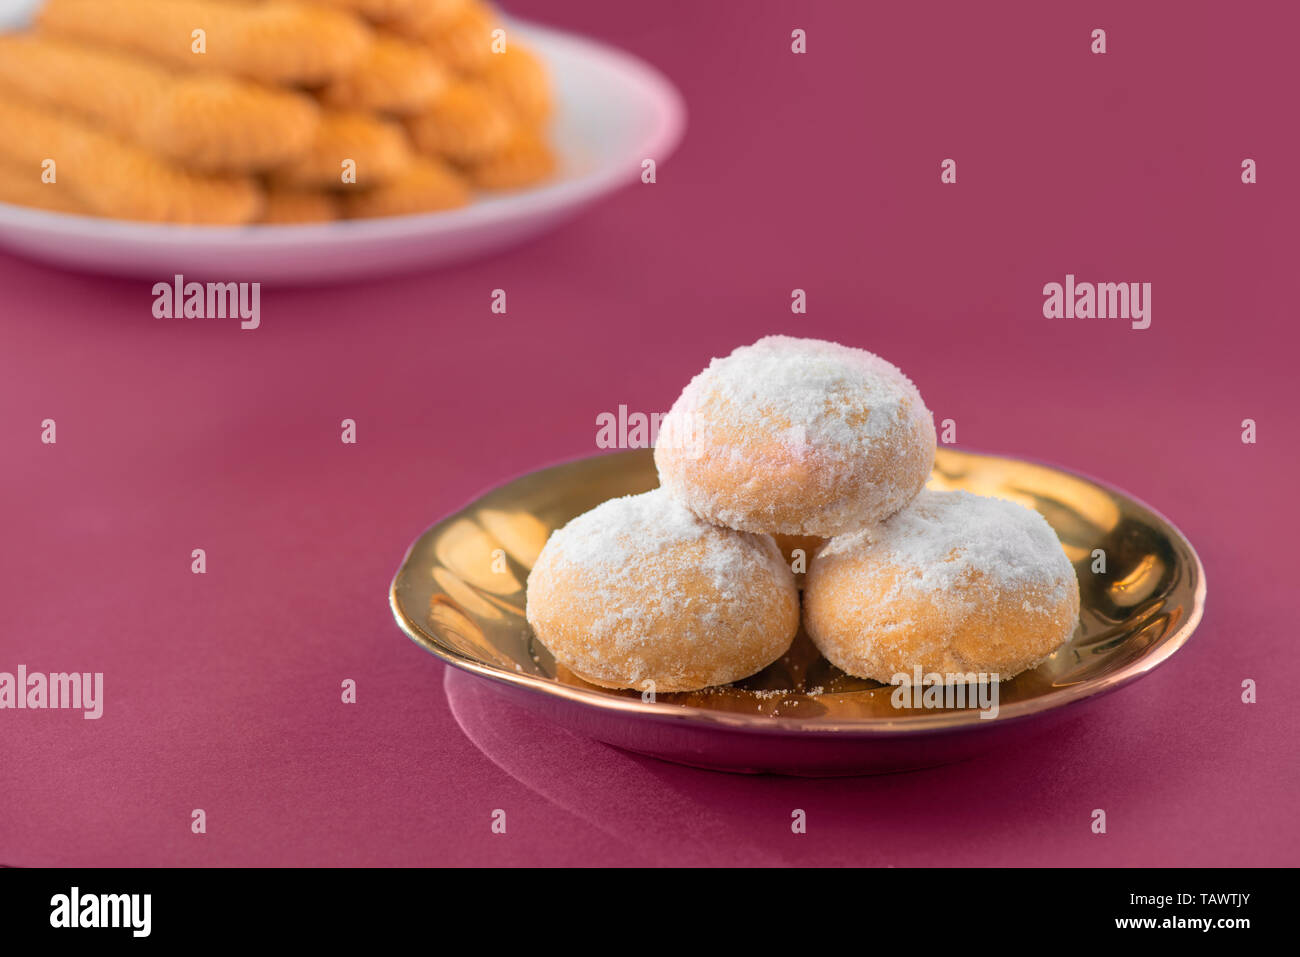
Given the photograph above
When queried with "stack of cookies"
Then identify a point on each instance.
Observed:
(808, 447)
(270, 111)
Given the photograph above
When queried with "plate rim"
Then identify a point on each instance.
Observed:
(691, 715)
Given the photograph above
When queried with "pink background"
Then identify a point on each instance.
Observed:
(818, 171)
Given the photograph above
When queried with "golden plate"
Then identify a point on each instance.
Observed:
(460, 595)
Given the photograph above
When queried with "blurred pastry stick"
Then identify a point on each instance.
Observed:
(394, 76)
(426, 186)
(294, 206)
(276, 42)
(467, 123)
(423, 17)
(518, 78)
(350, 150)
(208, 122)
(118, 179)
(22, 186)
(380, 10)
(524, 160)
(460, 37)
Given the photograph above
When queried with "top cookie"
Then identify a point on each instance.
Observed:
(796, 437)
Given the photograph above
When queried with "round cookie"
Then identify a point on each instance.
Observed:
(639, 590)
(796, 437)
(955, 583)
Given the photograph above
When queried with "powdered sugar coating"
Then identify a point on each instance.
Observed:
(798, 437)
(639, 589)
(944, 537)
(954, 582)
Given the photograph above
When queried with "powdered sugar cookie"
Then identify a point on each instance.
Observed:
(797, 437)
(954, 583)
(639, 590)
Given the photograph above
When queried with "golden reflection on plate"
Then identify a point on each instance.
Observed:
(460, 595)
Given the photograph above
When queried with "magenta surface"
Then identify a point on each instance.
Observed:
(821, 172)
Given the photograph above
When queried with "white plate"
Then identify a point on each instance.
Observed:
(614, 111)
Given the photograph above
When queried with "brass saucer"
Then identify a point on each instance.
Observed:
(460, 594)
